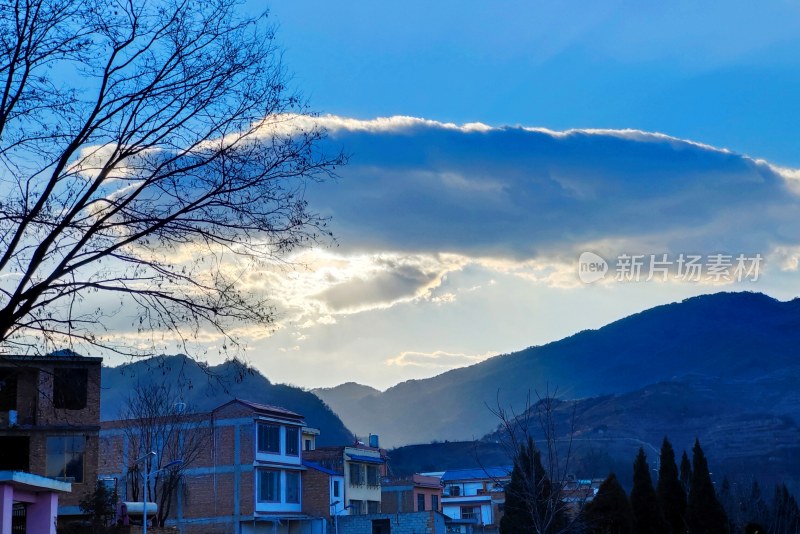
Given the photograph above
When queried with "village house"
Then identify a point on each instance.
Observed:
(49, 426)
(415, 494)
(475, 498)
(247, 479)
(362, 468)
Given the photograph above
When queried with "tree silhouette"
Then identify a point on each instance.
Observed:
(671, 495)
(647, 518)
(704, 513)
(610, 511)
(139, 196)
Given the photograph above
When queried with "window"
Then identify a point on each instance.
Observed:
(356, 475)
(70, 387)
(420, 502)
(469, 512)
(269, 438)
(269, 486)
(355, 507)
(307, 445)
(293, 487)
(435, 503)
(335, 488)
(65, 457)
(454, 491)
(8, 390)
(373, 476)
(373, 507)
(292, 441)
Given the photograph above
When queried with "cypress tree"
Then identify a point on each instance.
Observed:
(756, 510)
(529, 496)
(647, 518)
(785, 512)
(609, 511)
(686, 474)
(704, 513)
(671, 495)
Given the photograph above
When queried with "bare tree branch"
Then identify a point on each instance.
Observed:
(174, 165)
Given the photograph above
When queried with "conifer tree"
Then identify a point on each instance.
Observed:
(670, 491)
(756, 509)
(647, 518)
(704, 513)
(609, 511)
(686, 473)
(531, 504)
(785, 512)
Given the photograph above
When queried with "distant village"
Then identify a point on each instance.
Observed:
(244, 468)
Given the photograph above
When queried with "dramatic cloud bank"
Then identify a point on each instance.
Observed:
(458, 242)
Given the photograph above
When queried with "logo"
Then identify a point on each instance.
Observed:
(591, 267)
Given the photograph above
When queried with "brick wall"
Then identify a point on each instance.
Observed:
(316, 494)
(407, 523)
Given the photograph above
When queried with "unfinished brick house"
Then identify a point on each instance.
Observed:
(50, 421)
(362, 469)
(247, 479)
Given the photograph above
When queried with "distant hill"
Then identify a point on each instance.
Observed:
(205, 388)
(737, 338)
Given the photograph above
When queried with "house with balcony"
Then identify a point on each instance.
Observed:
(474, 499)
(247, 479)
(362, 467)
(49, 427)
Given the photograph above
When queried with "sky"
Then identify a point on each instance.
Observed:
(521, 171)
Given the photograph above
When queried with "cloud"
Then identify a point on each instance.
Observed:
(420, 186)
(438, 359)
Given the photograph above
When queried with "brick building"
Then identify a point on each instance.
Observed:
(323, 492)
(247, 479)
(363, 469)
(50, 421)
(429, 522)
(416, 494)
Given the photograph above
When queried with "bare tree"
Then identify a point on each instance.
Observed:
(150, 157)
(155, 419)
(542, 493)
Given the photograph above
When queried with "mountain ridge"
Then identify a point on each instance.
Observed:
(205, 387)
(726, 335)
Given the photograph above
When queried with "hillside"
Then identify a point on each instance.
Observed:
(206, 388)
(743, 337)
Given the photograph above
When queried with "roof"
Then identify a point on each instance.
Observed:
(366, 459)
(34, 483)
(264, 409)
(477, 473)
(55, 357)
(318, 467)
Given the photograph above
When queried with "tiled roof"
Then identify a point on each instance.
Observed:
(266, 409)
(476, 473)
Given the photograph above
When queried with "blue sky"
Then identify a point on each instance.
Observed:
(493, 142)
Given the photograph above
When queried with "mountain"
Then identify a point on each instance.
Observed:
(204, 388)
(741, 338)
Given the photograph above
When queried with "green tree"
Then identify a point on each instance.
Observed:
(704, 513)
(610, 511)
(671, 495)
(100, 506)
(529, 496)
(686, 473)
(785, 512)
(647, 518)
(756, 510)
